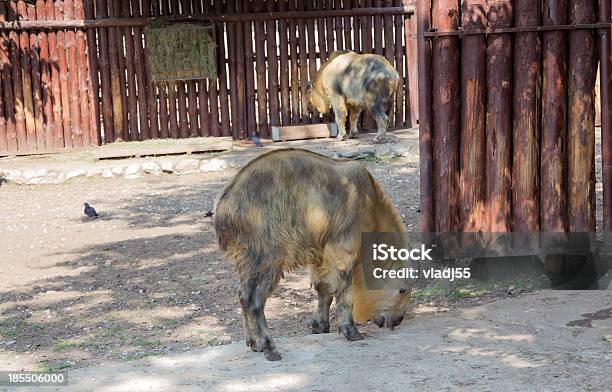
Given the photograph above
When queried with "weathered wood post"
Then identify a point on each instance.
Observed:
(582, 69)
(472, 148)
(499, 118)
(605, 55)
(425, 121)
(525, 167)
(554, 111)
(446, 106)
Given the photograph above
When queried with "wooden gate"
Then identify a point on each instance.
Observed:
(75, 72)
(507, 114)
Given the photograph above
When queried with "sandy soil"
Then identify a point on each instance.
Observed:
(146, 278)
(549, 341)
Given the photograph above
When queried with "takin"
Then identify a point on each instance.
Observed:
(293, 208)
(349, 83)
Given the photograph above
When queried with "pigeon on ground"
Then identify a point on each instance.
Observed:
(257, 141)
(90, 211)
(209, 214)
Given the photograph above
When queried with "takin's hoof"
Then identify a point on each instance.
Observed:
(319, 327)
(344, 138)
(272, 355)
(351, 333)
(379, 139)
(250, 342)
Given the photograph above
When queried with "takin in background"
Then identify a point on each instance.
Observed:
(349, 83)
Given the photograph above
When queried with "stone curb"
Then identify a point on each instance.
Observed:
(129, 171)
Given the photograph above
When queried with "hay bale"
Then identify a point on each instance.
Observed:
(181, 51)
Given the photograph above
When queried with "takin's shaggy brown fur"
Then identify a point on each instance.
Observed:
(349, 83)
(293, 208)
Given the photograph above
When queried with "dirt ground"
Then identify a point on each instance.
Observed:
(146, 279)
(547, 341)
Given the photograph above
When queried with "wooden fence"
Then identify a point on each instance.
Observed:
(75, 72)
(507, 114)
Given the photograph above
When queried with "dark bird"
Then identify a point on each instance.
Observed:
(90, 211)
(256, 141)
(209, 214)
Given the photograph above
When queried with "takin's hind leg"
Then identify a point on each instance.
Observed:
(253, 295)
(379, 112)
(320, 322)
(340, 112)
(354, 114)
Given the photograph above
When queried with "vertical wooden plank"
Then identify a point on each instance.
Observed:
(162, 88)
(378, 30)
(312, 57)
(17, 81)
(222, 56)
(582, 69)
(58, 126)
(525, 215)
(260, 68)
(93, 82)
(26, 79)
(338, 26)
(605, 55)
(105, 74)
(64, 78)
(7, 83)
(272, 59)
(499, 118)
(554, 112)
(348, 45)
(173, 128)
(295, 89)
(303, 64)
(321, 38)
(213, 91)
(3, 117)
(132, 98)
(115, 12)
(15, 61)
(390, 53)
(233, 65)
(73, 82)
(151, 88)
(398, 21)
(181, 93)
(240, 75)
(356, 26)
(411, 88)
(82, 70)
(116, 86)
(284, 65)
(426, 177)
(36, 82)
(204, 116)
(367, 33)
(192, 100)
(446, 105)
(388, 31)
(329, 29)
(140, 68)
(249, 70)
(472, 137)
